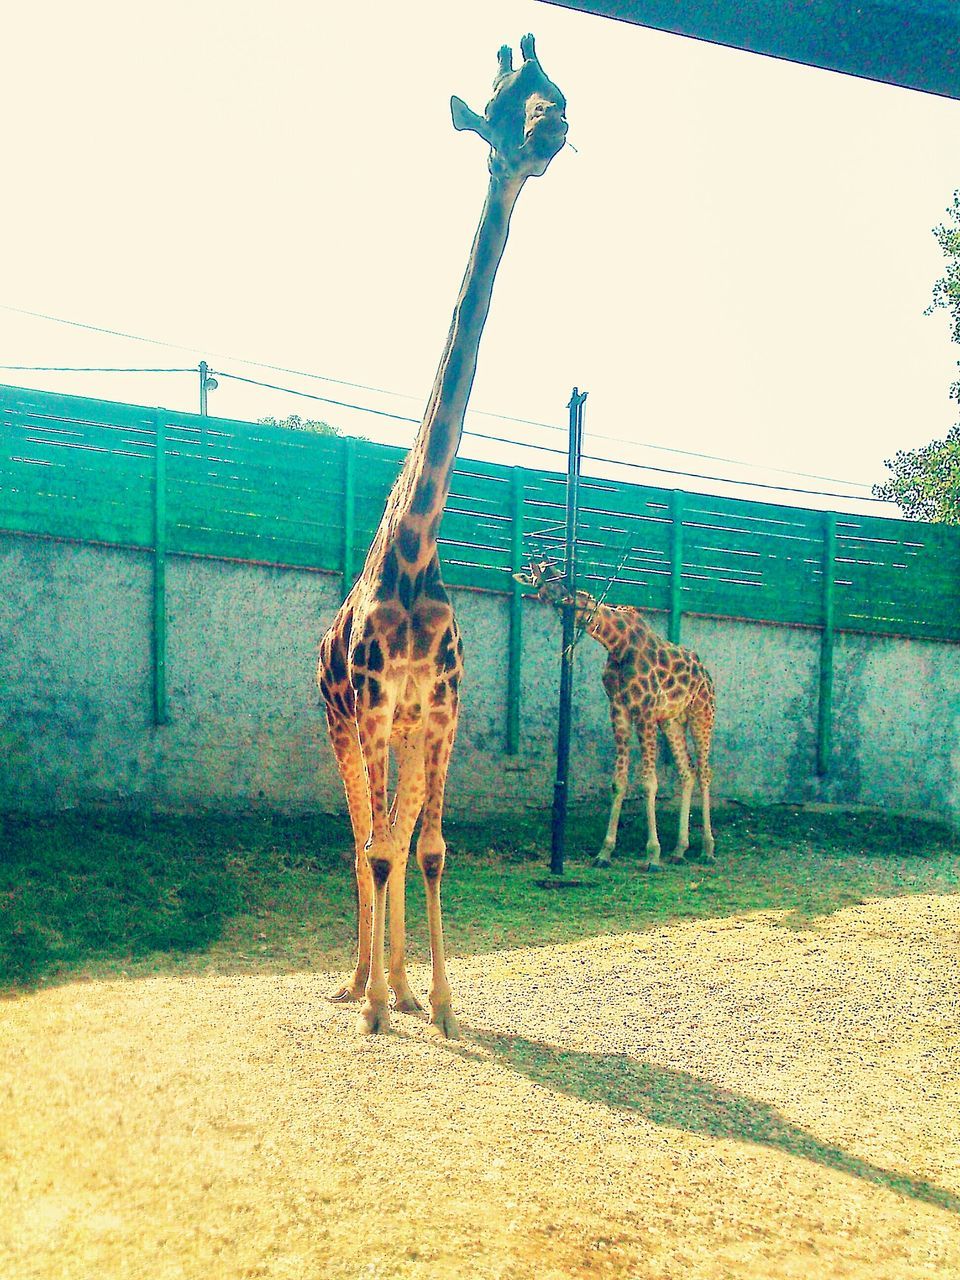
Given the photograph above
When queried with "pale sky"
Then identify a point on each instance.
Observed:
(734, 261)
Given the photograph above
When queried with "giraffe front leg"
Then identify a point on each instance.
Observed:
(353, 989)
(404, 1000)
(406, 810)
(346, 748)
(374, 720)
(374, 1016)
(621, 771)
(648, 740)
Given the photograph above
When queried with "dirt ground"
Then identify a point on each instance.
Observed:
(721, 1098)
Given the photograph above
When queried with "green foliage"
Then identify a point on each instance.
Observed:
(926, 482)
(946, 291)
(293, 422)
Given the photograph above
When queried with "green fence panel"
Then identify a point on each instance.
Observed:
(897, 576)
(64, 474)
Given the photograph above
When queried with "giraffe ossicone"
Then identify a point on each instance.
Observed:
(650, 684)
(391, 663)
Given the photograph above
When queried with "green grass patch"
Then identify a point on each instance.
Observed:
(100, 895)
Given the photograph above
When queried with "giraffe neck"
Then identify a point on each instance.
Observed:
(598, 620)
(416, 504)
(601, 623)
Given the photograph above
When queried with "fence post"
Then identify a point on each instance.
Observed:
(349, 508)
(676, 564)
(825, 699)
(515, 651)
(160, 712)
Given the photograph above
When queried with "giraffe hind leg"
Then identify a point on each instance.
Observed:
(675, 733)
(701, 727)
(648, 743)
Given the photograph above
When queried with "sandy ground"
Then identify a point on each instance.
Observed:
(715, 1099)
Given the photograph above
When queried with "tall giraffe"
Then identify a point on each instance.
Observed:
(650, 683)
(391, 663)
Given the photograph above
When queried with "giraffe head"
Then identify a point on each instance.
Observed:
(549, 585)
(524, 121)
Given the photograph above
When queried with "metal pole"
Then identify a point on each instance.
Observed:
(560, 793)
(204, 371)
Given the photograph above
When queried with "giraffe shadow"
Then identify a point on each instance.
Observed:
(680, 1100)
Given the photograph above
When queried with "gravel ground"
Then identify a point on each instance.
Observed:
(715, 1099)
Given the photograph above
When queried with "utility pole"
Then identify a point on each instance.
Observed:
(207, 383)
(560, 786)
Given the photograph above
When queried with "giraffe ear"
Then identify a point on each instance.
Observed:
(524, 579)
(465, 119)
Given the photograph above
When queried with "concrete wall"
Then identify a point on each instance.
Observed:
(246, 730)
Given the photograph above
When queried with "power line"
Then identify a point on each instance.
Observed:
(481, 435)
(542, 448)
(398, 417)
(75, 368)
(753, 484)
(220, 355)
(734, 462)
(308, 395)
(361, 386)
(401, 417)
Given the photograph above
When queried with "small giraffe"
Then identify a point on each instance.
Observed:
(650, 683)
(391, 663)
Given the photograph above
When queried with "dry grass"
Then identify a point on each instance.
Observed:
(718, 1097)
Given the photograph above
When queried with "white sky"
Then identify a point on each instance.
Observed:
(735, 261)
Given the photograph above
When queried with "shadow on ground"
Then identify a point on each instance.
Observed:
(686, 1102)
(125, 895)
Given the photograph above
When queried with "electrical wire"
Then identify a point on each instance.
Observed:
(397, 417)
(361, 386)
(733, 462)
(754, 484)
(75, 368)
(479, 435)
(542, 448)
(308, 395)
(220, 355)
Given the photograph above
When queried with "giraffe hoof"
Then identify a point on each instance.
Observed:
(373, 1019)
(676, 858)
(407, 1002)
(652, 866)
(446, 1024)
(347, 994)
(602, 859)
